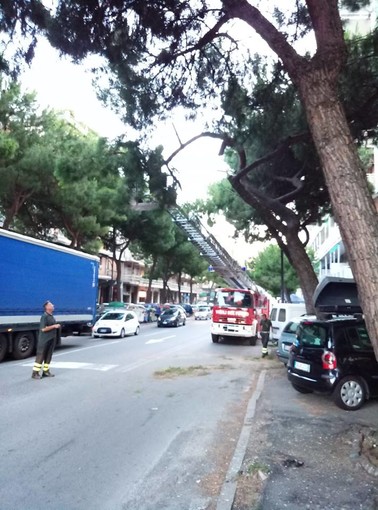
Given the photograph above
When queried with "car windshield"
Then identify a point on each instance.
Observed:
(113, 316)
(233, 298)
(312, 334)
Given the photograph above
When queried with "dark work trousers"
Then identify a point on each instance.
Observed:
(264, 341)
(45, 352)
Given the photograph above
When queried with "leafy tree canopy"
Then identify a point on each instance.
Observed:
(265, 270)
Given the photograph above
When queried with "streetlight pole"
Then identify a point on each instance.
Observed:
(282, 278)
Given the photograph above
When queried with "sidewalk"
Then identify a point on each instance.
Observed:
(303, 452)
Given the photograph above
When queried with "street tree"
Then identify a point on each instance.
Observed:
(170, 53)
(155, 238)
(143, 183)
(26, 157)
(265, 270)
(265, 128)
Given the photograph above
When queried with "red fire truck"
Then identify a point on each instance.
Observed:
(236, 313)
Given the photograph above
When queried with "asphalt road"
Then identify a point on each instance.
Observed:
(109, 432)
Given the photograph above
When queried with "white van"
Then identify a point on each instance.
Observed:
(280, 315)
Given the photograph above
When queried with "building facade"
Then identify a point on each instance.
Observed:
(134, 285)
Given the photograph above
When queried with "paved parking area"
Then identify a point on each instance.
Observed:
(305, 453)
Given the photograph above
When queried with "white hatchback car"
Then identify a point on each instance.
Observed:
(117, 323)
(203, 313)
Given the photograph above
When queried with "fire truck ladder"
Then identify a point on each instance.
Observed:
(219, 259)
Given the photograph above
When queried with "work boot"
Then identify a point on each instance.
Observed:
(35, 375)
(48, 374)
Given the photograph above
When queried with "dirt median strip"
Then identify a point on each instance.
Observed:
(228, 490)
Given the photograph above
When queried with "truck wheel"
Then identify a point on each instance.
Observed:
(3, 346)
(215, 338)
(23, 345)
(253, 340)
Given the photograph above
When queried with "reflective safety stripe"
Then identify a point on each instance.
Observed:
(37, 367)
(264, 350)
(46, 367)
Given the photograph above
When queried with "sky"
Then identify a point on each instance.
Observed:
(62, 85)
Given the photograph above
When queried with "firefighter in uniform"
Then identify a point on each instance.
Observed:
(48, 332)
(265, 325)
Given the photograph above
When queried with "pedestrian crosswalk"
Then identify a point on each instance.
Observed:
(74, 365)
(105, 367)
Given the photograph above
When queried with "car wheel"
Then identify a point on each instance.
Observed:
(184, 322)
(253, 340)
(137, 330)
(300, 389)
(215, 338)
(350, 393)
(122, 335)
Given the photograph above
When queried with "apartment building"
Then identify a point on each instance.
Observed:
(134, 284)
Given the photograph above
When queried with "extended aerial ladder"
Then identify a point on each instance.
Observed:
(218, 258)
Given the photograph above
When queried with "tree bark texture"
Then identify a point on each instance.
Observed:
(317, 81)
(283, 226)
(352, 203)
(301, 263)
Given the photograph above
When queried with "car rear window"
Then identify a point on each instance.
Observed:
(312, 334)
(291, 327)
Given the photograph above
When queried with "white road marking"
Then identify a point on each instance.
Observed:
(157, 340)
(77, 365)
(75, 350)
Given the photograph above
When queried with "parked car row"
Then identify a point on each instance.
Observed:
(121, 319)
(332, 355)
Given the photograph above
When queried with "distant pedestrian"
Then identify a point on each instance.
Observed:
(48, 333)
(265, 325)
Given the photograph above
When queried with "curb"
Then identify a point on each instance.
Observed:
(228, 490)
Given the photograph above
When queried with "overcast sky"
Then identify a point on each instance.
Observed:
(62, 85)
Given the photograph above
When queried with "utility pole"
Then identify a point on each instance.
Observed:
(282, 278)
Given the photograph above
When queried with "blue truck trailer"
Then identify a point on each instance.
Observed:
(34, 271)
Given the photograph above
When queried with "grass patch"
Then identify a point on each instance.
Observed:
(194, 370)
(172, 372)
(256, 466)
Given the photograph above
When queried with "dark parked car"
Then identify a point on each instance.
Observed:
(334, 356)
(188, 308)
(173, 316)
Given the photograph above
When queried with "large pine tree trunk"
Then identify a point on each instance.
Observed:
(352, 203)
(298, 258)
